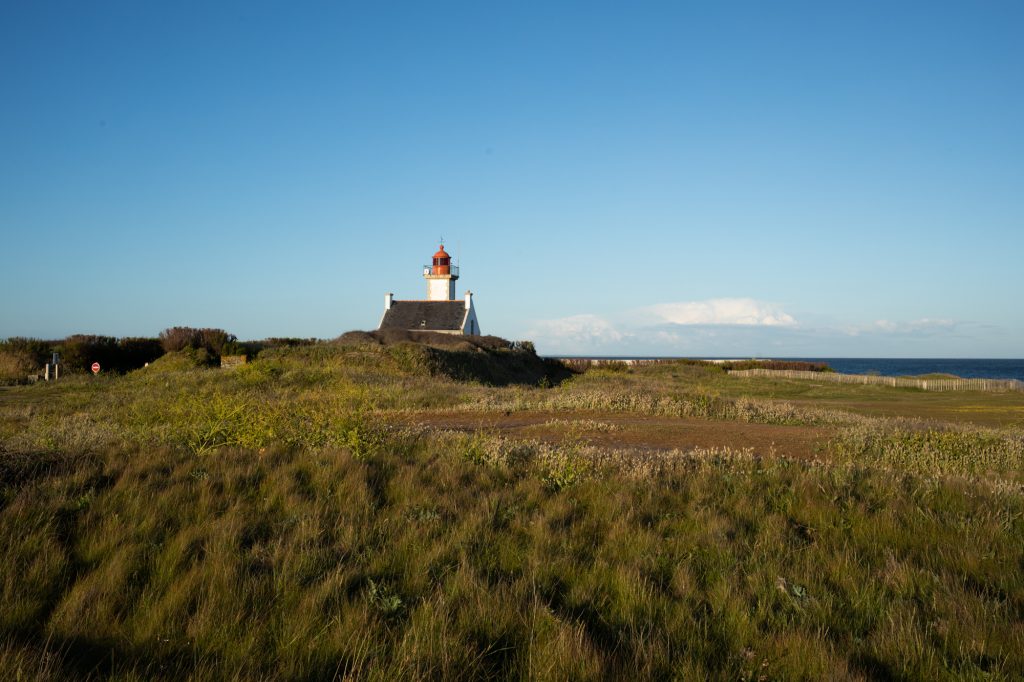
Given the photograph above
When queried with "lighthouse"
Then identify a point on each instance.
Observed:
(441, 277)
(441, 311)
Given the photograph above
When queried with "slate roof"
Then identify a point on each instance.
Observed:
(424, 315)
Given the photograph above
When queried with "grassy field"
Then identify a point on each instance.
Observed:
(352, 511)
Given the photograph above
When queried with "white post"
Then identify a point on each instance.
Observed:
(388, 300)
(46, 372)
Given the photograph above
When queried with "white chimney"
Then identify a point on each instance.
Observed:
(388, 299)
(469, 300)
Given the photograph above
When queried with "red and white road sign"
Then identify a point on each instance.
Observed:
(95, 368)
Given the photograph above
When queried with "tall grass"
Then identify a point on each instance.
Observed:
(270, 522)
(933, 449)
(417, 562)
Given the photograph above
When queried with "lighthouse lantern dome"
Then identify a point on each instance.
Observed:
(442, 262)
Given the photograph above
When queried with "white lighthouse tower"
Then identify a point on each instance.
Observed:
(441, 312)
(441, 277)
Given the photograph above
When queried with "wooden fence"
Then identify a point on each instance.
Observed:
(898, 382)
(582, 364)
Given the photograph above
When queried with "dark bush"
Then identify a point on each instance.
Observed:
(215, 341)
(135, 352)
(179, 338)
(79, 351)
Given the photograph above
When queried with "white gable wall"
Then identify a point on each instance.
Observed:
(470, 324)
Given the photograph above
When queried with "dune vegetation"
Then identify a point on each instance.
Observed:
(393, 510)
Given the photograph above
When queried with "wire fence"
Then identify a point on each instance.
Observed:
(896, 382)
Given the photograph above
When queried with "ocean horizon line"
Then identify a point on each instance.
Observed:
(967, 368)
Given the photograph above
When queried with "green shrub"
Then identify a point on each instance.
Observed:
(562, 468)
(383, 598)
(363, 439)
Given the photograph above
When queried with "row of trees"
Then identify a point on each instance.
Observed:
(217, 342)
(20, 356)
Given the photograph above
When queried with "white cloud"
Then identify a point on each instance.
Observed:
(742, 327)
(920, 327)
(657, 326)
(582, 330)
(745, 311)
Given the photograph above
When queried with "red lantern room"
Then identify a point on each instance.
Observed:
(442, 262)
(441, 276)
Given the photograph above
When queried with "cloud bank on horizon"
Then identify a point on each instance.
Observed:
(722, 311)
(735, 327)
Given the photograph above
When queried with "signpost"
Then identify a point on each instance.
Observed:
(95, 368)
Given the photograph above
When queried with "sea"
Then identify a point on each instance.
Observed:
(894, 367)
(966, 368)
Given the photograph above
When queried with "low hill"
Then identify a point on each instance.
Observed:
(489, 360)
(454, 342)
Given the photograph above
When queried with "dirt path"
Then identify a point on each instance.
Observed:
(629, 430)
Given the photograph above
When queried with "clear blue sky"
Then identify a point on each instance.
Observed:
(840, 178)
